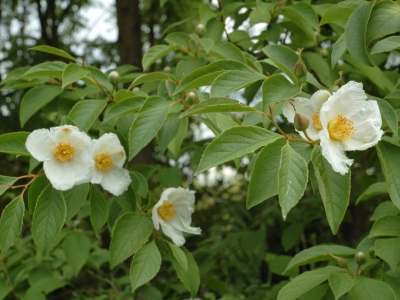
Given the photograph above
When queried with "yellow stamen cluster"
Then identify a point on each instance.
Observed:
(317, 121)
(104, 161)
(340, 128)
(166, 210)
(64, 152)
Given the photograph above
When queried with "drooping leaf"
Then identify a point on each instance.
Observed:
(339, 49)
(6, 182)
(377, 188)
(386, 226)
(74, 199)
(155, 76)
(388, 115)
(72, 73)
(340, 284)
(383, 209)
(179, 256)
(356, 33)
(126, 106)
(53, 50)
(389, 251)
(130, 232)
(227, 51)
(35, 189)
(235, 142)
(11, 223)
(98, 208)
(371, 289)
(386, 45)
(35, 99)
(384, 20)
(145, 265)
(333, 187)
(53, 69)
(14, 143)
(390, 160)
(283, 57)
(155, 53)
(85, 112)
(292, 179)
(139, 183)
(339, 11)
(76, 247)
(48, 218)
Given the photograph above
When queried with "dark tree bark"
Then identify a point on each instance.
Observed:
(129, 37)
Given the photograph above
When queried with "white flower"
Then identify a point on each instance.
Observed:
(174, 213)
(346, 121)
(66, 154)
(109, 157)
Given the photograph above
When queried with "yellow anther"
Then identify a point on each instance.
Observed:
(317, 121)
(340, 128)
(104, 161)
(166, 210)
(63, 152)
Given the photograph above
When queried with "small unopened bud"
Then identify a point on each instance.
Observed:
(333, 88)
(360, 258)
(323, 52)
(191, 99)
(300, 68)
(301, 123)
(114, 78)
(339, 82)
(342, 262)
(371, 252)
(201, 30)
(136, 89)
(167, 69)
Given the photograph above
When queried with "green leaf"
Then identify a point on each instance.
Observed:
(48, 218)
(85, 112)
(76, 247)
(6, 182)
(277, 88)
(306, 281)
(126, 106)
(333, 187)
(35, 189)
(155, 76)
(303, 16)
(98, 209)
(145, 265)
(53, 50)
(49, 68)
(386, 226)
(319, 253)
(264, 178)
(228, 51)
(377, 188)
(72, 73)
(74, 199)
(292, 179)
(390, 160)
(370, 289)
(98, 78)
(14, 143)
(339, 11)
(356, 33)
(191, 277)
(388, 115)
(168, 131)
(386, 45)
(11, 223)
(155, 53)
(283, 57)
(206, 75)
(340, 284)
(35, 99)
(389, 251)
(230, 81)
(131, 231)
(218, 105)
(147, 123)
(175, 146)
(139, 183)
(339, 49)
(179, 256)
(385, 208)
(235, 142)
(291, 237)
(384, 20)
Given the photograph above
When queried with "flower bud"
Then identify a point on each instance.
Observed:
(371, 252)
(114, 78)
(301, 123)
(201, 30)
(191, 99)
(167, 69)
(300, 68)
(339, 82)
(342, 262)
(360, 258)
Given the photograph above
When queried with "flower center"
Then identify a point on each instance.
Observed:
(316, 120)
(340, 128)
(166, 210)
(104, 161)
(64, 152)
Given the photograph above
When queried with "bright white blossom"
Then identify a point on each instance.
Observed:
(346, 121)
(173, 212)
(109, 157)
(66, 154)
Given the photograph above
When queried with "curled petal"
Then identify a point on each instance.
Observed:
(116, 181)
(334, 154)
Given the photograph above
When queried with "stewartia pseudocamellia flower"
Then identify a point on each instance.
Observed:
(109, 157)
(344, 121)
(173, 212)
(66, 154)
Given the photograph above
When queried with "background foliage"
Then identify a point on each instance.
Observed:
(190, 78)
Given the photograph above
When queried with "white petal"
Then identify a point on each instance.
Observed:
(334, 154)
(288, 111)
(181, 195)
(175, 234)
(109, 143)
(116, 181)
(319, 98)
(41, 144)
(347, 101)
(155, 217)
